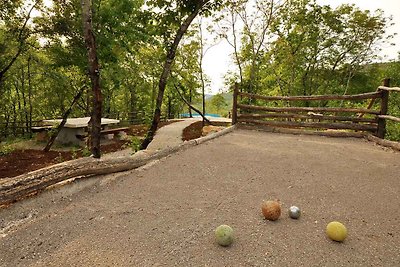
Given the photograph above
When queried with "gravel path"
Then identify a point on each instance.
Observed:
(165, 214)
(170, 135)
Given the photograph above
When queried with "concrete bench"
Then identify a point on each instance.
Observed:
(104, 132)
(37, 129)
(114, 131)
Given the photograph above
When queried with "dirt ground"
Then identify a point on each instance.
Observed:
(22, 161)
(165, 213)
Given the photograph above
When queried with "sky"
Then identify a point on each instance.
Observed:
(218, 60)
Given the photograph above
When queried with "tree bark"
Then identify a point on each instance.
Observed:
(94, 74)
(167, 70)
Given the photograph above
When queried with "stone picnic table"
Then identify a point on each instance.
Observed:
(76, 127)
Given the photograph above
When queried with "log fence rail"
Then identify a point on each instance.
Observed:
(316, 118)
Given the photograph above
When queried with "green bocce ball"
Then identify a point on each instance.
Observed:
(224, 235)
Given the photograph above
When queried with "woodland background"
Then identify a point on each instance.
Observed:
(280, 48)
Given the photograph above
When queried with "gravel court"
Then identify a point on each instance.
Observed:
(165, 214)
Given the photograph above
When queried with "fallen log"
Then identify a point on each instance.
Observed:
(383, 142)
(305, 117)
(370, 95)
(270, 129)
(318, 125)
(306, 109)
(14, 188)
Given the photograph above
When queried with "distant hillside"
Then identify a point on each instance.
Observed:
(228, 97)
(210, 108)
(208, 96)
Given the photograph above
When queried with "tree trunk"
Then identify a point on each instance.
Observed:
(18, 116)
(203, 85)
(190, 102)
(166, 71)
(30, 96)
(94, 74)
(26, 114)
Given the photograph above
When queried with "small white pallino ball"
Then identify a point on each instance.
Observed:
(224, 235)
(294, 212)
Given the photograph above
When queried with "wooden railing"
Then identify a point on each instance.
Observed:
(314, 117)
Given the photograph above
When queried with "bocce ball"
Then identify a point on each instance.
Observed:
(224, 235)
(271, 210)
(336, 231)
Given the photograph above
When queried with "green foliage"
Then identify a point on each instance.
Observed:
(6, 149)
(86, 152)
(59, 158)
(135, 143)
(218, 101)
(300, 48)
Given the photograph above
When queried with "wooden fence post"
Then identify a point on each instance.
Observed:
(384, 109)
(234, 105)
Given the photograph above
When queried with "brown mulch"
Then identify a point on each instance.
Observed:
(21, 161)
(193, 131)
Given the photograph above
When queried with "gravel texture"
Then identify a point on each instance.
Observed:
(165, 214)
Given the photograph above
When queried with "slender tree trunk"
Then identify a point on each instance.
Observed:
(190, 106)
(190, 102)
(30, 96)
(235, 47)
(14, 117)
(7, 123)
(21, 43)
(18, 116)
(167, 70)
(203, 85)
(64, 120)
(94, 74)
(24, 102)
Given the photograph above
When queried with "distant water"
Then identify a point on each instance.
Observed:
(195, 115)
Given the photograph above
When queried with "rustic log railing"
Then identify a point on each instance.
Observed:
(313, 117)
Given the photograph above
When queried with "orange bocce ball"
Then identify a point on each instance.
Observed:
(271, 210)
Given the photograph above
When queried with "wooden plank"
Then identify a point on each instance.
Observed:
(388, 117)
(306, 109)
(329, 133)
(318, 125)
(381, 132)
(371, 95)
(387, 88)
(308, 116)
